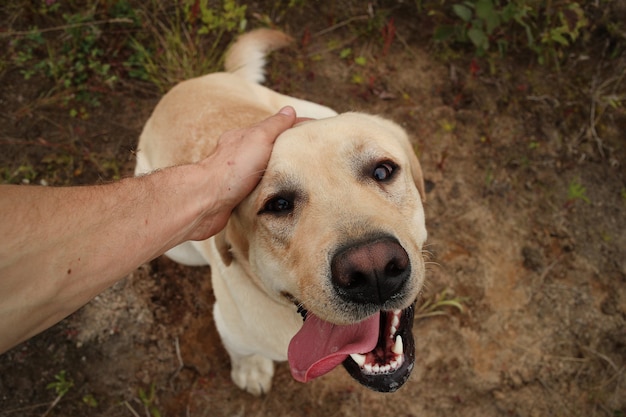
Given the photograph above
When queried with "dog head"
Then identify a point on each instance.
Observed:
(336, 226)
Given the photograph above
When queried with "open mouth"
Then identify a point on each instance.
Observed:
(388, 366)
(378, 352)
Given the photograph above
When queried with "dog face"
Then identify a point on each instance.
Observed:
(336, 224)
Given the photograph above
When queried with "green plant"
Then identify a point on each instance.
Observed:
(72, 54)
(560, 32)
(61, 387)
(436, 306)
(545, 29)
(483, 24)
(576, 191)
(185, 42)
(22, 174)
(90, 401)
(147, 400)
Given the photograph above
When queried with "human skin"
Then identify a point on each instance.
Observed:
(62, 246)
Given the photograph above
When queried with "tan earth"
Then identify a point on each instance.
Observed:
(539, 270)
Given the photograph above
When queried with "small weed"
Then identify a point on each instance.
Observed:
(360, 60)
(357, 79)
(23, 174)
(61, 387)
(184, 43)
(436, 306)
(447, 126)
(147, 400)
(90, 401)
(576, 191)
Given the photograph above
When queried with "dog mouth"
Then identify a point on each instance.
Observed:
(378, 352)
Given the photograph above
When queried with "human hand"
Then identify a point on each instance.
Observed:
(237, 165)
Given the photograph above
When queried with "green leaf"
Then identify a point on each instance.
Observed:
(464, 12)
(443, 33)
(478, 38)
(486, 12)
(557, 36)
(484, 8)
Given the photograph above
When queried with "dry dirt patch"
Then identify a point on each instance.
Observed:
(541, 274)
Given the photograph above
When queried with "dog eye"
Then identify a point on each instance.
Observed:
(278, 204)
(383, 172)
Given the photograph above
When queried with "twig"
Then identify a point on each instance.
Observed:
(52, 405)
(340, 24)
(181, 364)
(593, 120)
(602, 356)
(64, 27)
(131, 409)
(547, 270)
(17, 410)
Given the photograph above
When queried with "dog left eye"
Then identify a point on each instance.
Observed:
(278, 205)
(383, 172)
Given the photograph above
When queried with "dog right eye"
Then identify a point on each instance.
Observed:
(277, 205)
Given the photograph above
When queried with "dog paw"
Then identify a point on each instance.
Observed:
(253, 374)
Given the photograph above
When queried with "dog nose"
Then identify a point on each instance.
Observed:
(371, 272)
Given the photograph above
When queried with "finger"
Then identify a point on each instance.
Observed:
(278, 123)
(302, 119)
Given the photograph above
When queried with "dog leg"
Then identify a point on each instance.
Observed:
(250, 372)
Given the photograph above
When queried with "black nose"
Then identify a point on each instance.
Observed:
(371, 272)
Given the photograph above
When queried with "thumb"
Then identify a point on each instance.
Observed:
(277, 124)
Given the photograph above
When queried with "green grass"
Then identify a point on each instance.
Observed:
(439, 305)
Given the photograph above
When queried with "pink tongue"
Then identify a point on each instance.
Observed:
(320, 346)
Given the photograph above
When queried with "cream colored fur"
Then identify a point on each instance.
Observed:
(261, 263)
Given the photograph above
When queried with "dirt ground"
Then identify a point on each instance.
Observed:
(525, 212)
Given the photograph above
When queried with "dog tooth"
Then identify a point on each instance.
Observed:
(358, 358)
(395, 321)
(392, 331)
(393, 364)
(367, 368)
(376, 368)
(385, 368)
(398, 347)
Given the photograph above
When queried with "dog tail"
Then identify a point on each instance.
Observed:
(246, 57)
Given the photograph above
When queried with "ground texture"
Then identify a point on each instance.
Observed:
(525, 211)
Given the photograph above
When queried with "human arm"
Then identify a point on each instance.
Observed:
(61, 246)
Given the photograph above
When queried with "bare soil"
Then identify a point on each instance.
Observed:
(540, 269)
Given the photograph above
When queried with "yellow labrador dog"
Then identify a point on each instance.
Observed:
(322, 263)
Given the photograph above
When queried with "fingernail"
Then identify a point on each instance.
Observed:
(287, 111)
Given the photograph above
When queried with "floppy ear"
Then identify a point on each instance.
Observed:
(416, 169)
(416, 172)
(223, 247)
(232, 243)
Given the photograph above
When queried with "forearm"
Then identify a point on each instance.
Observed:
(60, 247)
(65, 245)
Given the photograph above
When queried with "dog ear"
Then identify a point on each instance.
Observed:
(416, 169)
(223, 247)
(416, 172)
